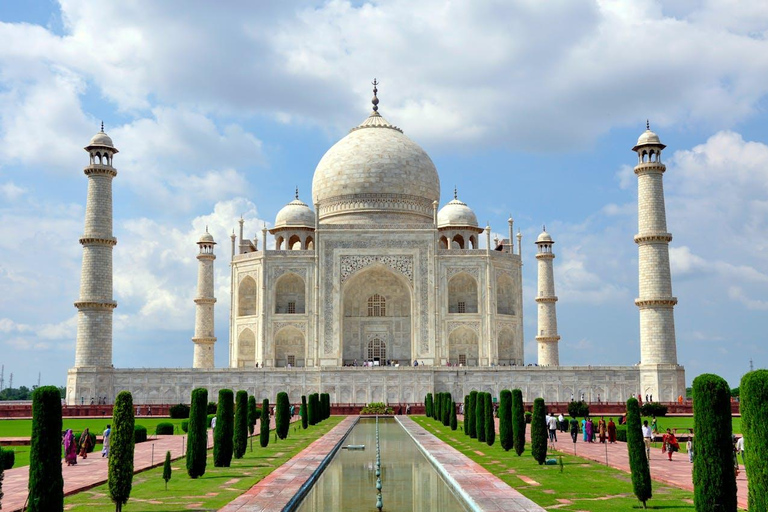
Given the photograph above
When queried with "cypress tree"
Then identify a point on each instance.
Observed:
(240, 441)
(490, 424)
(505, 419)
(303, 412)
(282, 415)
(252, 414)
(436, 409)
(264, 424)
(197, 444)
(312, 409)
(539, 431)
(326, 401)
(167, 469)
(447, 409)
(316, 401)
(469, 410)
(754, 411)
(714, 480)
(121, 444)
(46, 485)
(454, 422)
(224, 431)
(480, 417)
(466, 421)
(638, 461)
(428, 405)
(518, 422)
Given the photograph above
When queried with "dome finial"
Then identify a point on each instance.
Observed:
(455, 192)
(102, 127)
(206, 228)
(375, 100)
(647, 124)
(544, 228)
(297, 193)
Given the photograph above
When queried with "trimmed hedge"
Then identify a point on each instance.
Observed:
(46, 485)
(480, 417)
(167, 469)
(518, 422)
(240, 440)
(621, 433)
(539, 434)
(469, 411)
(7, 458)
(179, 411)
(638, 461)
(428, 405)
(303, 412)
(283, 415)
(209, 419)
(122, 439)
(578, 409)
(653, 409)
(164, 429)
(139, 434)
(225, 429)
(211, 408)
(264, 424)
(754, 411)
(505, 419)
(714, 480)
(185, 426)
(446, 409)
(490, 424)
(466, 417)
(197, 444)
(454, 421)
(253, 414)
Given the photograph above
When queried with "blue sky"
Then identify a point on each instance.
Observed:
(529, 108)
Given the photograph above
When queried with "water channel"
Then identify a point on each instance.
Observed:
(409, 481)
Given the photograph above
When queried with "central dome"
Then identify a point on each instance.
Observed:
(375, 175)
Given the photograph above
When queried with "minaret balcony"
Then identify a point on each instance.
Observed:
(650, 168)
(659, 302)
(100, 170)
(653, 237)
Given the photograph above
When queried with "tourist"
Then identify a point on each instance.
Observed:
(646, 398)
(591, 430)
(562, 423)
(598, 398)
(105, 448)
(571, 397)
(85, 443)
(735, 456)
(602, 428)
(689, 449)
(584, 429)
(611, 431)
(647, 437)
(574, 430)
(669, 444)
(70, 448)
(654, 425)
(651, 400)
(552, 425)
(740, 449)
(213, 423)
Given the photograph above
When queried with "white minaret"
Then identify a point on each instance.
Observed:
(204, 338)
(658, 350)
(93, 348)
(546, 299)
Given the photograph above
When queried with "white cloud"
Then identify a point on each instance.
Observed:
(10, 191)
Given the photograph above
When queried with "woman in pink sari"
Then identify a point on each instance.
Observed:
(70, 448)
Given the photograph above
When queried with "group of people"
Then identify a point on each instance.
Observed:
(74, 447)
(591, 431)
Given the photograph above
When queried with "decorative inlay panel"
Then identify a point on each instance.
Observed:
(276, 326)
(473, 271)
(351, 264)
(276, 272)
(475, 326)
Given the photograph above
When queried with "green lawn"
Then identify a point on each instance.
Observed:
(589, 486)
(213, 490)
(23, 427)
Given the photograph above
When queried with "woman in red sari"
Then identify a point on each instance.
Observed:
(70, 448)
(611, 431)
(669, 444)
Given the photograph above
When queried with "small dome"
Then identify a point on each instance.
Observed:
(456, 214)
(648, 138)
(101, 139)
(207, 238)
(544, 238)
(295, 214)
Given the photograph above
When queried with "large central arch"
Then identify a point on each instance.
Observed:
(376, 308)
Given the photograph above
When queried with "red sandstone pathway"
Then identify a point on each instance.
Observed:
(275, 490)
(92, 471)
(679, 472)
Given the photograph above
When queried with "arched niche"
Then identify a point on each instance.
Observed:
(443, 242)
(246, 349)
(290, 295)
(463, 346)
(462, 294)
(246, 297)
(376, 303)
(506, 347)
(457, 242)
(294, 243)
(505, 297)
(289, 347)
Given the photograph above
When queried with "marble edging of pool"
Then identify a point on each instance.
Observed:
(445, 474)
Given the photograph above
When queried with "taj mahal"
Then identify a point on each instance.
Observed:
(375, 292)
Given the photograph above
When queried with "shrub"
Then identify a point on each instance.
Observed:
(754, 411)
(454, 421)
(653, 409)
(208, 420)
(428, 405)
(714, 481)
(638, 462)
(621, 433)
(326, 406)
(314, 409)
(121, 444)
(539, 431)
(528, 415)
(46, 485)
(224, 431)
(436, 414)
(240, 441)
(197, 444)
(505, 419)
(7, 459)
(185, 426)
(283, 415)
(518, 422)
(490, 424)
(93, 440)
(211, 408)
(578, 409)
(164, 429)
(253, 414)
(167, 469)
(377, 408)
(469, 413)
(264, 424)
(179, 411)
(480, 417)
(446, 409)
(303, 412)
(139, 434)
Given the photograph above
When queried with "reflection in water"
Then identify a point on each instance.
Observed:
(409, 481)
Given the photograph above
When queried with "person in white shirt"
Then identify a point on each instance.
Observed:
(561, 422)
(647, 437)
(552, 425)
(740, 449)
(689, 448)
